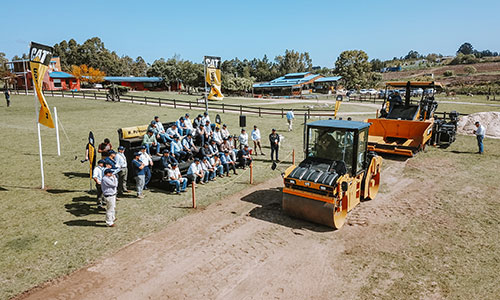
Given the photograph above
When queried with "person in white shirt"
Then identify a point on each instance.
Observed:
(480, 132)
(121, 163)
(160, 129)
(208, 129)
(195, 172)
(243, 138)
(97, 174)
(189, 123)
(224, 131)
(171, 132)
(219, 168)
(208, 169)
(146, 159)
(256, 139)
(175, 178)
(217, 136)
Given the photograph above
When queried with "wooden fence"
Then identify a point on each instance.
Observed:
(219, 106)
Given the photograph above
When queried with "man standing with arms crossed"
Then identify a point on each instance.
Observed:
(274, 139)
(146, 159)
(109, 185)
(480, 131)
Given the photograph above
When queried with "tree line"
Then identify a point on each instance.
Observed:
(92, 57)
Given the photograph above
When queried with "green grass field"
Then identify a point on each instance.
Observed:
(48, 233)
(52, 232)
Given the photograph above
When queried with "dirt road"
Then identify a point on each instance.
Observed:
(243, 247)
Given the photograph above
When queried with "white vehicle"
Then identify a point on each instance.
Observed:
(372, 92)
(363, 91)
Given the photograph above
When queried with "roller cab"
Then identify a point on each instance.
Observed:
(337, 173)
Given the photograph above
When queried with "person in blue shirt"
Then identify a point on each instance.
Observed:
(289, 117)
(168, 160)
(176, 149)
(189, 147)
(140, 176)
(244, 157)
(227, 162)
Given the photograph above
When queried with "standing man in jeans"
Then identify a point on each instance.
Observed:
(480, 131)
(175, 178)
(148, 165)
(289, 117)
(139, 174)
(109, 185)
(274, 139)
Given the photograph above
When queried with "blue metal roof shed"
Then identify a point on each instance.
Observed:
(328, 79)
(60, 75)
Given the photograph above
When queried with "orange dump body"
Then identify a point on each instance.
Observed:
(401, 137)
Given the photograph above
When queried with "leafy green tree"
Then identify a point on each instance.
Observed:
(140, 67)
(377, 65)
(354, 68)
(293, 62)
(412, 55)
(236, 85)
(465, 48)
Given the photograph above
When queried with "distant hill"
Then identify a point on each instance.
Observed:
(487, 73)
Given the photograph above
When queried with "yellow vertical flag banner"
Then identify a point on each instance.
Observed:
(337, 107)
(213, 77)
(40, 56)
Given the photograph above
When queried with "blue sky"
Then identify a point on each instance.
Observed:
(248, 29)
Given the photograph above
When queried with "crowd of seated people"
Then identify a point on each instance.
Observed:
(211, 149)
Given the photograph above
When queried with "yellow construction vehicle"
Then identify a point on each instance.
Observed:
(337, 173)
(404, 128)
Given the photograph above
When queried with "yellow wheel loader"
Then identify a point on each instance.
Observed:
(337, 173)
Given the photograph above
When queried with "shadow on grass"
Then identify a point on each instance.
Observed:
(60, 191)
(270, 210)
(79, 208)
(85, 223)
(463, 152)
(76, 174)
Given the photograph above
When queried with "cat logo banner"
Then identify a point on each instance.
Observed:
(213, 77)
(91, 154)
(40, 56)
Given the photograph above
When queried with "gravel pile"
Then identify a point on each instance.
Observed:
(490, 120)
